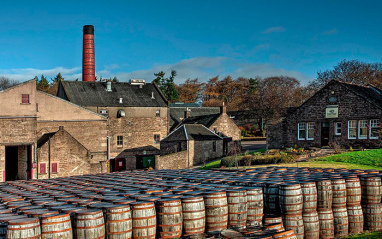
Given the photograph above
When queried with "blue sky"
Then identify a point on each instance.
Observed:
(134, 39)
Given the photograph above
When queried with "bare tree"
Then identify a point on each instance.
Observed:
(353, 71)
(5, 82)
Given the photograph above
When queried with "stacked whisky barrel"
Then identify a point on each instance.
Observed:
(371, 202)
(268, 202)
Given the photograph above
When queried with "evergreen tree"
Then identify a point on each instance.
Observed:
(43, 84)
(167, 85)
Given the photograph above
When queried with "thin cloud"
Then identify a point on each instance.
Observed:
(202, 68)
(330, 32)
(274, 29)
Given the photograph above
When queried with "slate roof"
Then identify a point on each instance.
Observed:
(150, 150)
(181, 104)
(370, 93)
(87, 93)
(177, 113)
(191, 132)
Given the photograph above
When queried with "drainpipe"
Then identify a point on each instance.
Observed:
(108, 154)
(188, 152)
(49, 159)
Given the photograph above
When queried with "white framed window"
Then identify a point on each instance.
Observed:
(301, 131)
(352, 129)
(373, 129)
(362, 129)
(310, 130)
(337, 128)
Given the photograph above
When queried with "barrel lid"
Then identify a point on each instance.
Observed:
(23, 221)
(88, 211)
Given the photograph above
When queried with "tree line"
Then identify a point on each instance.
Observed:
(268, 97)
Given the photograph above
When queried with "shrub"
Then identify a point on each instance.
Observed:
(248, 160)
(274, 159)
(230, 161)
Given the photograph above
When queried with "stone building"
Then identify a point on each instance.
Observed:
(27, 115)
(189, 145)
(137, 115)
(220, 123)
(342, 114)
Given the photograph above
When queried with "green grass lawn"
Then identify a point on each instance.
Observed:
(372, 235)
(368, 157)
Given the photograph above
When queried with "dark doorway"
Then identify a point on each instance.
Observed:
(11, 163)
(325, 134)
(145, 161)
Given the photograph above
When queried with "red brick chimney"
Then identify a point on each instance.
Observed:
(88, 63)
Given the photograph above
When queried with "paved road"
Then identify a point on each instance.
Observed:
(252, 145)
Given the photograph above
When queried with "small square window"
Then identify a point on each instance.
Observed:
(337, 128)
(42, 168)
(119, 140)
(156, 138)
(157, 113)
(54, 167)
(25, 98)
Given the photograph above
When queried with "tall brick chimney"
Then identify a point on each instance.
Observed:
(88, 63)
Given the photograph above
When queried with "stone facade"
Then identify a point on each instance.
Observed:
(176, 160)
(70, 156)
(351, 106)
(227, 126)
(137, 127)
(26, 114)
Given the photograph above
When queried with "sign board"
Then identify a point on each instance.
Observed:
(331, 111)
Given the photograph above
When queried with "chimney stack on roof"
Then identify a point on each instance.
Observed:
(88, 60)
(223, 109)
(187, 113)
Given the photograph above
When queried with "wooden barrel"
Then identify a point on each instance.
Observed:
(4, 219)
(309, 192)
(325, 217)
(339, 192)
(341, 221)
(353, 191)
(289, 234)
(89, 223)
(56, 226)
(324, 194)
(237, 208)
(371, 189)
(311, 225)
(24, 228)
(291, 198)
(118, 222)
(144, 219)
(372, 215)
(194, 215)
(170, 218)
(272, 219)
(356, 221)
(229, 233)
(295, 223)
(255, 205)
(276, 227)
(271, 198)
(216, 211)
